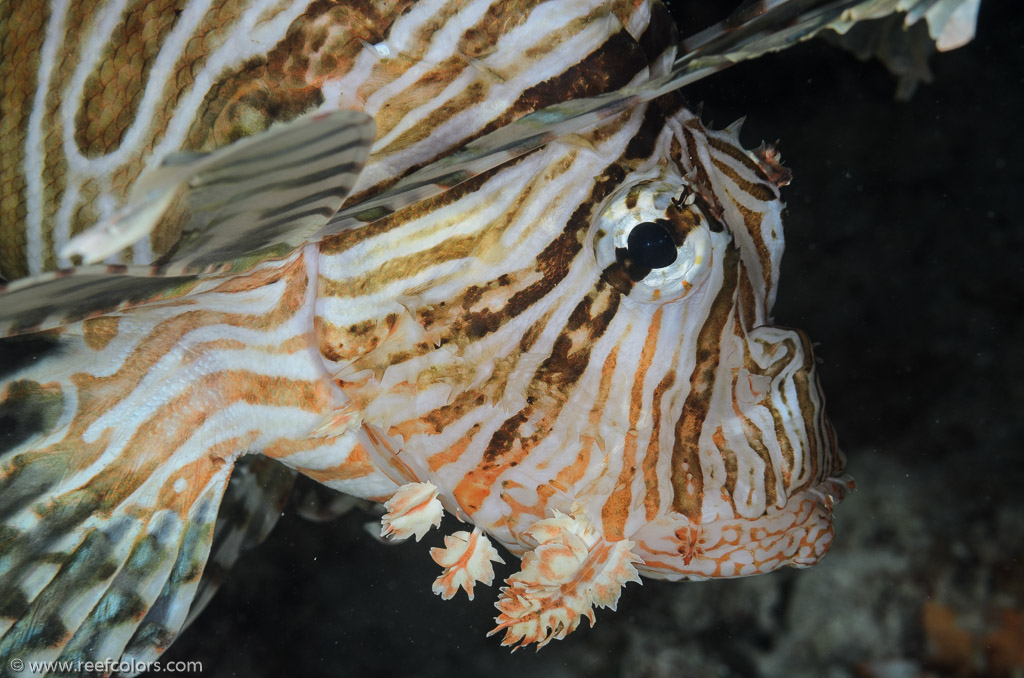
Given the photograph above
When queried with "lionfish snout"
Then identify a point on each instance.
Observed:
(754, 468)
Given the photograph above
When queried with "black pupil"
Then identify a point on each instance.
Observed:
(650, 246)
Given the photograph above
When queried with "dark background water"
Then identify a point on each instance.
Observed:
(904, 260)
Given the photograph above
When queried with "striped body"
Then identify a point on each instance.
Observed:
(500, 346)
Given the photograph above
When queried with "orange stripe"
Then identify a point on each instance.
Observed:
(615, 512)
(505, 450)
(652, 498)
(452, 454)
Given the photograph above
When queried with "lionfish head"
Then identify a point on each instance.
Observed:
(574, 352)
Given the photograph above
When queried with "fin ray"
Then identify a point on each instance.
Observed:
(128, 576)
(310, 164)
(59, 298)
(258, 491)
(756, 28)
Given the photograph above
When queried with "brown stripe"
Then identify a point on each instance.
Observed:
(98, 332)
(755, 439)
(387, 70)
(736, 153)
(610, 66)
(686, 474)
(114, 88)
(549, 268)
(652, 499)
(480, 244)
(437, 420)
(803, 382)
(641, 146)
(748, 303)
(778, 392)
(693, 154)
(573, 473)
(762, 192)
(23, 33)
(428, 87)
(350, 238)
(550, 387)
(660, 32)
(501, 18)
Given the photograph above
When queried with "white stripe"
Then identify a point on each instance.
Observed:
(71, 100)
(62, 219)
(439, 49)
(506, 59)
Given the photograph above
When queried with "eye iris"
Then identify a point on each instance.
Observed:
(650, 246)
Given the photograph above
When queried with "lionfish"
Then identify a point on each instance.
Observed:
(453, 256)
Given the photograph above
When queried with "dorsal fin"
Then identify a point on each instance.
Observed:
(756, 28)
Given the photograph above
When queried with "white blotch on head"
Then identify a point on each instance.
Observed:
(179, 485)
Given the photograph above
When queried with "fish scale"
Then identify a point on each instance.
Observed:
(440, 312)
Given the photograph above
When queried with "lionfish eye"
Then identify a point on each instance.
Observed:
(650, 245)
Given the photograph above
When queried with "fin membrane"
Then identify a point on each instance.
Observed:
(252, 504)
(265, 191)
(64, 297)
(260, 197)
(101, 547)
(272, 191)
(82, 581)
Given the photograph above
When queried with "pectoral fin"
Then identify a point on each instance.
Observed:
(257, 493)
(271, 189)
(87, 574)
(63, 297)
(258, 198)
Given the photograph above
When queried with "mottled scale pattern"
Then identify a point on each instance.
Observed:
(494, 347)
